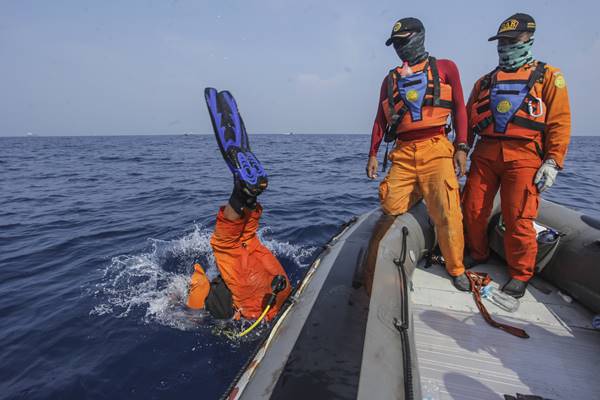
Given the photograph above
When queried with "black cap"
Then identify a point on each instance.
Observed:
(403, 27)
(514, 25)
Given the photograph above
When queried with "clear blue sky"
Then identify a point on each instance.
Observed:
(140, 67)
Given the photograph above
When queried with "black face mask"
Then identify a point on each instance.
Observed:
(412, 48)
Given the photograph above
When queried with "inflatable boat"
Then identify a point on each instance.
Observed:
(374, 318)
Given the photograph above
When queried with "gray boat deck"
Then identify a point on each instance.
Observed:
(462, 357)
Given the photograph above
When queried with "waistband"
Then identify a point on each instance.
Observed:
(422, 134)
(419, 141)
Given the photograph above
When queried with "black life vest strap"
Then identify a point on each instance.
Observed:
(390, 93)
(537, 74)
(529, 124)
(484, 123)
(435, 75)
(441, 103)
(395, 117)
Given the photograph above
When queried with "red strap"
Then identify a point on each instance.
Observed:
(479, 280)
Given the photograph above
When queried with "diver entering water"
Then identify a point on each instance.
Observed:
(252, 283)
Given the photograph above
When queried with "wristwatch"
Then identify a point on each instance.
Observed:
(463, 147)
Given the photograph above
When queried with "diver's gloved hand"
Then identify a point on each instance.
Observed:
(546, 175)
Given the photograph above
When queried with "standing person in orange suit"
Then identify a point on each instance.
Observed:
(521, 113)
(250, 277)
(414, 107)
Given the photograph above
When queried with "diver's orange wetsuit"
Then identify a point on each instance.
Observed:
(511, 164)
(245, 264)
(422, 165)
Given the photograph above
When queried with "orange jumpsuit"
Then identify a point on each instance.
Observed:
(245, 264)
(511, 165)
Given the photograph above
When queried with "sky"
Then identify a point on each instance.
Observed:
(140, 67)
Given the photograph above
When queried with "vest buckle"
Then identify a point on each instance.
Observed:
(539, 107)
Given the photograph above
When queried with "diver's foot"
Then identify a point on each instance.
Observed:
(232, 139)
(470, 262)
(515, 288)
(462, 283)
(241, 199)
(247, 170)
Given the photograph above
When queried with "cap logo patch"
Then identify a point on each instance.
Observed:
(397, 26)
(509, 25)
(412, 96)
(504, 106)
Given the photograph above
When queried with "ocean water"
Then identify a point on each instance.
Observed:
(98, 236)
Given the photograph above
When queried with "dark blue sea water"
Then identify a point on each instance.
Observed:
(98, 236)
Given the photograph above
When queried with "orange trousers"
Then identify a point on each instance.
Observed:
(245, 264)
(519, 200)
(424, 169)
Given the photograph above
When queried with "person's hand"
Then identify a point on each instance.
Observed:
(372, 167)
(546, 175)
(460, 162)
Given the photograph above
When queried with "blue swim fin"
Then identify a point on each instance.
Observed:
(232, 138)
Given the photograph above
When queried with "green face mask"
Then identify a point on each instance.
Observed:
(513, 56)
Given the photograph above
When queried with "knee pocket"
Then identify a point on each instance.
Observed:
(452, 195)
(531, 201)
(383, 190)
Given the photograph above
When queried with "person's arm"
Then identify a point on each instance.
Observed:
(377, 132)
(380, 122)
(459, 112)
(558, 116)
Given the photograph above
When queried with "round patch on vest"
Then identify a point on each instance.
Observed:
(412, 96)
(504, 106)
(559, 82)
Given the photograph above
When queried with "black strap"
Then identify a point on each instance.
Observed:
(483, 108)
(394, 117)
(537, 74)
(484, 123)
(390, 93)
(441, 103)
(529, 124)
(435, 75)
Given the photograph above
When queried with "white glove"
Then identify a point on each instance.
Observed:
(546, 175)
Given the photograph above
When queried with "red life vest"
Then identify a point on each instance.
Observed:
(416, 101)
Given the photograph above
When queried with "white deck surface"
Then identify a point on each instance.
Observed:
(461, 357)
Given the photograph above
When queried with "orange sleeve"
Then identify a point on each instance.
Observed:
(558, 115)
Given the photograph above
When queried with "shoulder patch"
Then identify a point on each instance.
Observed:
(559, 80)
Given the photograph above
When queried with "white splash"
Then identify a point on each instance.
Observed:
(153, 285)
(298, 254)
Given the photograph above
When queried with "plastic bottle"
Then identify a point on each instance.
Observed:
(499, 298)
